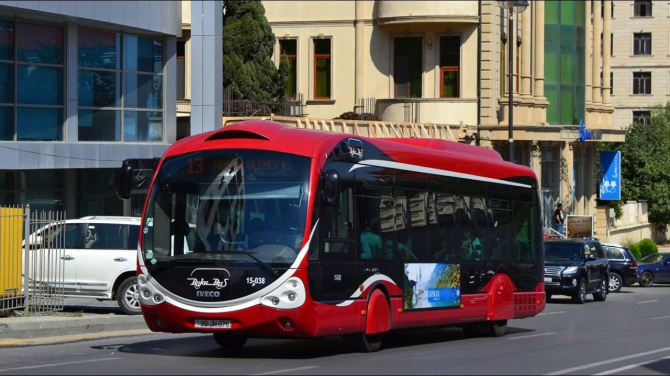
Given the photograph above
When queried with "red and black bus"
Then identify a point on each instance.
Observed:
(259, 229)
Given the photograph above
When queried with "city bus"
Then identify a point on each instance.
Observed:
(262, 230)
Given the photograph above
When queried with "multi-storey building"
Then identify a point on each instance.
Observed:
(83, 86)
(446, 62)
(640, 65)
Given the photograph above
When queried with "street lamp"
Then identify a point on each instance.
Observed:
(517, 6)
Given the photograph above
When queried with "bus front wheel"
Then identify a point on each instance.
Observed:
(365, 342)
(228, 342)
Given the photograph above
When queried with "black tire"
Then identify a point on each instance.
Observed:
(615, 283)
(497, 328)
(579, 296)
(548, 297)
(230, 343)
(362, 342)
(646, 279)
(128, 296)
(602, 294)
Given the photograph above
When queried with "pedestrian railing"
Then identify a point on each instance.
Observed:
(32, 248)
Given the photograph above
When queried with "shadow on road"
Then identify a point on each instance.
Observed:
(204, 346)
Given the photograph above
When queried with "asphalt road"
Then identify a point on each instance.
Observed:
(627, 334)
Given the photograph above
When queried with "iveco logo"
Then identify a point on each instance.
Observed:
(207, 294)
(216, 282)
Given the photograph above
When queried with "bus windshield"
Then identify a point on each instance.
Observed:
(227, 206)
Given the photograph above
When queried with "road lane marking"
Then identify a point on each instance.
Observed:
(532, 335)
(662, 317)
(648, 301)
(626, 368)
(614, 360)
(287, 370)
(550, 313)
(58, 364)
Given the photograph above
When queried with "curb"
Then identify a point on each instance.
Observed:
(41, 327)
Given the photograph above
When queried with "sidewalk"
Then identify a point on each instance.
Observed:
(80, 317)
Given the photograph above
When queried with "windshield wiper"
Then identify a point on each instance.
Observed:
(258, 261)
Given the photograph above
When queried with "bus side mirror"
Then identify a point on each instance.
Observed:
(124, 180)
(330, 194)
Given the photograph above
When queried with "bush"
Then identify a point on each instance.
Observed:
(635, 250)
(647, 247)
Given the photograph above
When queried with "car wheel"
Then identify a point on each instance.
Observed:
(230, 343)
(646, 279)
(548, 297)
(615, 282)
(128, 296)
(580, 296)
(602, 295)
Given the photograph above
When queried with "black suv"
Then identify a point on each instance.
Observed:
(623, 266)
(575, 267)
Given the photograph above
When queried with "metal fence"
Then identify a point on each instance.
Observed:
(32, 248)
(293, 105)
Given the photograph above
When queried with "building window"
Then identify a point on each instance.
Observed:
(641, 117)
(290, 48)
(642, 8)
(450, 61)
(642, 44)
(32, 86)
(612, 44)
(642, 83)
(97, 192)
(408, 60)
(612, 83)
(120, 99)
(28, 187)
(322, 84)
(181, 69)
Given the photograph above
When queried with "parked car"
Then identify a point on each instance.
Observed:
(98, 257)
(623, 266)
(575, 267)
(654, 268)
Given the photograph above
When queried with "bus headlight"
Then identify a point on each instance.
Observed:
(290, 294)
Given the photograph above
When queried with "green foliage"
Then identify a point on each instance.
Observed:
(645, 160)
(647, 247)
(635, 250)
(248, 44)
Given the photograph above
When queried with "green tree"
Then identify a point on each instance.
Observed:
(248, 44)
(645, 162)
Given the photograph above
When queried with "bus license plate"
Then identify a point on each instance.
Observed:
(220, 324)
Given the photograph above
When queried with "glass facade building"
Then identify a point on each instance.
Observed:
(565, 61)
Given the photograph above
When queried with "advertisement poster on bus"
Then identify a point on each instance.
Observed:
(432, 286)
(579, 226)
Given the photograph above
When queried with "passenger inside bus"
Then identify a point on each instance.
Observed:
(371, 242)
(471, 247)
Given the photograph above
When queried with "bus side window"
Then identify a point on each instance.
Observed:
(370, 246)
(524, 232)
(339, 244)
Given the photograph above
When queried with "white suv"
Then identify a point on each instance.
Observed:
(99, 257)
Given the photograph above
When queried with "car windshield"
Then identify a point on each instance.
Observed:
(572, 251)
(655, 257)
(227, 206)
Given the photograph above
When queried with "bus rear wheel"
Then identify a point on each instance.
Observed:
(486, 329)
(228, 342)
(362, 342)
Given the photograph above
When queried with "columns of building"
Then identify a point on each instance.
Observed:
(608, 109)
(596, 98)
(207, 60)
(360, 51)
(589, 57)
(540, 110)
(527, 101)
